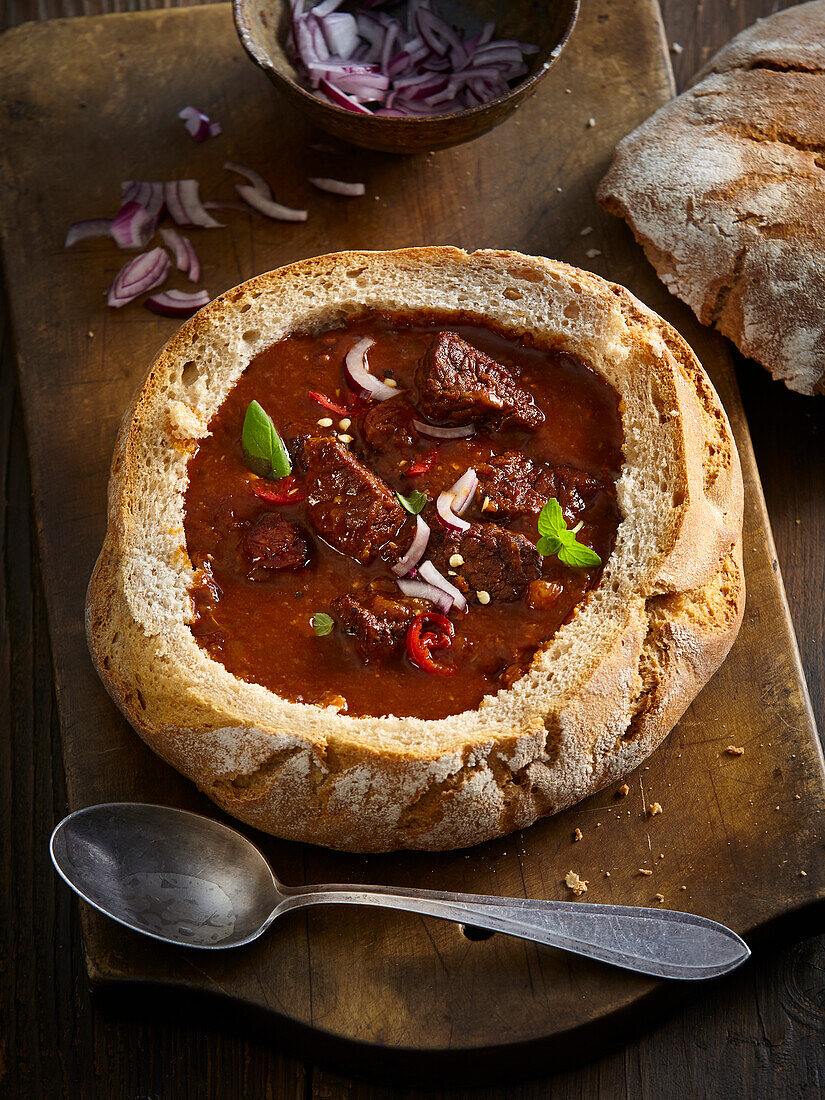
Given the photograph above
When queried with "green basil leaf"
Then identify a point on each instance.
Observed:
(263, 448)
(577, 555)
(322, 623)
(551, 520)
(414, 503)
(549, 545)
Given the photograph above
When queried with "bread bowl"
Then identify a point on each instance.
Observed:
(598, 696)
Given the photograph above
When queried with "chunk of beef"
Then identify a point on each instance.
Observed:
(458, 383)
(513, 485)
(389, 435)
(274, 544)
(351, 508)
(499, 562)
(378, 623)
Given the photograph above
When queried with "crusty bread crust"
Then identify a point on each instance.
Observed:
(724, 189)
(599, 697)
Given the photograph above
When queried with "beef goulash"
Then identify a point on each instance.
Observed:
(409, 549)
(522, 424)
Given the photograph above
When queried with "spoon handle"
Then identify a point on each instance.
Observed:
(659, 942)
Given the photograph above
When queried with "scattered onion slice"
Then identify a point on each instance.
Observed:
(146, 193)
(197, 123)
(255, 178)
(433, 431)
(140, 274)
(91, 227)
(177, 303)
(420, 590)
(359, 378)
(428, 572)
(416, 550)
(183, 203)
(338, 187)
(340, 99)
(133, 226)
(194, 269)
(172, 239)
(268, 207)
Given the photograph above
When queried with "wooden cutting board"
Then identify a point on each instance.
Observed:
(87, 103)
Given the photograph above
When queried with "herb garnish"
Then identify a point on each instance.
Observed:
(557, 538)
(414, 503)
(322, 623)
(263, 448)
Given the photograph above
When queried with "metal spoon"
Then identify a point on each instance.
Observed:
(187, 879)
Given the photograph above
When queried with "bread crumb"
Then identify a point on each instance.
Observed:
(577, 834)
(587, 229)
(804, 874)
(591, 122)
(676, 48)
(607, 874)
(623, 791)
(568, 91)
(683, 887)
(654, 808)
(660, 897)
(593, 252)
(576, 884)
(91, 336)
(645, 871)
(735, 750)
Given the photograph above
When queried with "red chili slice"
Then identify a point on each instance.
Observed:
(439, 634)
(327, 403)
(424, 464)
(285, 490)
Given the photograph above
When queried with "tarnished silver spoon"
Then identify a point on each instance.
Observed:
(187, 879)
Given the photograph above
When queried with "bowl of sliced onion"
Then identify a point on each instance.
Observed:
(405, 77)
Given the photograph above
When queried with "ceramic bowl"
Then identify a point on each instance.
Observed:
(263, 26)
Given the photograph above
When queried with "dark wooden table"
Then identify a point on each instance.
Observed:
(759, 1034)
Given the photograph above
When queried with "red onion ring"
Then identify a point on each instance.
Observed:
(177, 303)
(142, 273)
(338, 187)
(419, 590)
(433, 431)
(463, 491)
(268, 207)
(255, 178)
(172, 239)
(133, 226)
(428, 572)
(184, 204)
(196, 122)
(444, 507)
(339, 99)
(359, 378)
(194, 269)
(83, 231)
(147, 194)
(416, 550)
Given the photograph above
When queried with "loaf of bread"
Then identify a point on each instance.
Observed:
(724, 188)
(598, 697)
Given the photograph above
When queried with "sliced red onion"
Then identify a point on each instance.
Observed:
(215, 129)
(428, 572)
(197, 123)
(194, 269)
(255, 178)
(359, 378)
(268, 207)
(416, 550)
(147, 194)
(177, 303)
(184, 204)
(338, 99)
(463, 491)
(340, 31)
(133, 226)
(140, 274)
(338, 187)
(326, 7)
(444, 507)
(172, 239)
(419, 590)
(433, 431)
(83, 231)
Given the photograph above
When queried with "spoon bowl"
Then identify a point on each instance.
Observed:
(188, 880)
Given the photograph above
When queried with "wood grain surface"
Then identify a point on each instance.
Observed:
(59, 1043)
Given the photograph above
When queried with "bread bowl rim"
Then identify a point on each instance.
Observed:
(309, 773)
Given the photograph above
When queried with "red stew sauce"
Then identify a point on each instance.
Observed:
(258, 622)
